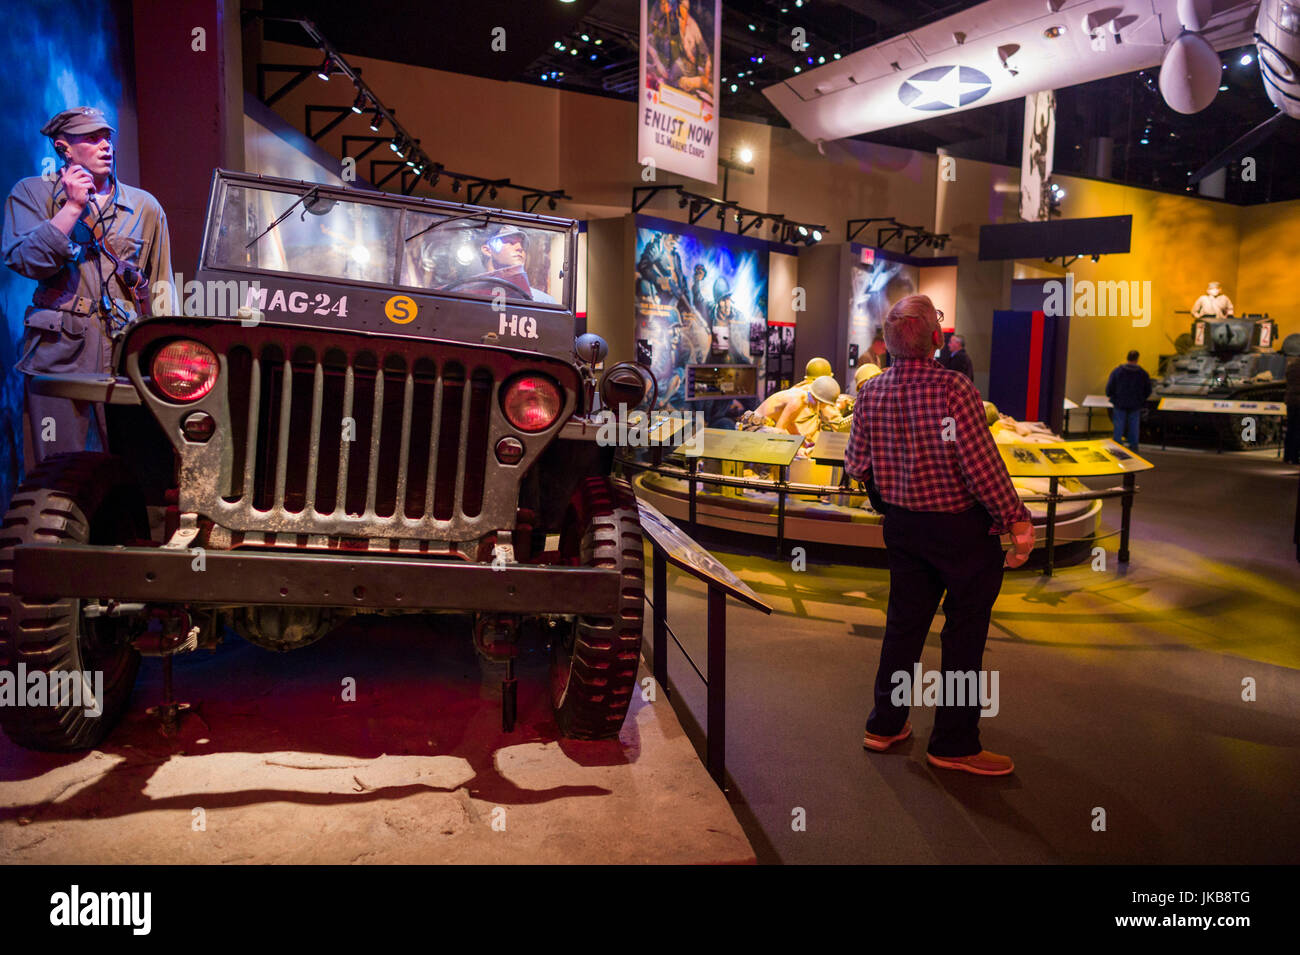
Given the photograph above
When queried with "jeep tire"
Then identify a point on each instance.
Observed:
(594, 664)
(83, 498)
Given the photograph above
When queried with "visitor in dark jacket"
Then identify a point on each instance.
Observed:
(1128, 388)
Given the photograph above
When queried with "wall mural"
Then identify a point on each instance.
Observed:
(701, 300)
(877, 284)
(56, 55)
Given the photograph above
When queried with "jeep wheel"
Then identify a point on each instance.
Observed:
(594, 664)
(73, 499)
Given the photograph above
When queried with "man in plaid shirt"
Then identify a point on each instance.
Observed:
(921, 442)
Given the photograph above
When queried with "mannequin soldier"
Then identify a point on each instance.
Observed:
(95, 246)
(1213, 304)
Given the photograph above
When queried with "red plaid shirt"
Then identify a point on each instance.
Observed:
(899, 423)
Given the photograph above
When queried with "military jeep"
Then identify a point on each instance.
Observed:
(382, 412)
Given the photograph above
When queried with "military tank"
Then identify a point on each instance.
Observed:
(1229, 359)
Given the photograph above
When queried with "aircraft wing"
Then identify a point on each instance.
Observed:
(996, 51)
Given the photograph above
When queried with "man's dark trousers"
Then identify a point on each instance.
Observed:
(1291, 452)
(929, 553)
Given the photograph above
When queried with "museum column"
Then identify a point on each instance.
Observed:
(189, 92)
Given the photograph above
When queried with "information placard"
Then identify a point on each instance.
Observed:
(752, 447)
(1222, 406)
(681, 550)
(830, 447)
(1071, 458)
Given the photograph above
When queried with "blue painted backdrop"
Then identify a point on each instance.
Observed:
(55, 55)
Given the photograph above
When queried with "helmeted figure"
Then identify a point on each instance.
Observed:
(1213, 304)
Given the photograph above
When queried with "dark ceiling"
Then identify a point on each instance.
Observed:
(590, 45)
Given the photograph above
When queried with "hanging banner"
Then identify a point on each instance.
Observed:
(1036, 160)
(677, 125)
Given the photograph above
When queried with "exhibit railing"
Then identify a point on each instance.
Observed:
(784, 488)
(670, 546)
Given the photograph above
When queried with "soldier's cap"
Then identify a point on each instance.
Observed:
(76, 121)
(507, 230)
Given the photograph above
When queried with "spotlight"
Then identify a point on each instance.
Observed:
(1246, 59)
(359, 106)
(776, 228)
(375, 120)
(551, 201)
(433, 179)
(722, 214)
(803, 230)
(586, 38)
(396, 145)
(817, 235)
(758, 223)
(455, 185)
(681, 202)
(326, 69)
(746, 154)
(733, 87)
(1096, 257)
(492, 192)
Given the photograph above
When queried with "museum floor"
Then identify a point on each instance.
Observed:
(1118, 689)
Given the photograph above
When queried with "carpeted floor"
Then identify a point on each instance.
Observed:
(1121, 695)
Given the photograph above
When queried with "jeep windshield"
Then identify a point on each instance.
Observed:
(382, 242)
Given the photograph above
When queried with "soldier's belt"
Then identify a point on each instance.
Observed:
(63, 301)
(76, 304)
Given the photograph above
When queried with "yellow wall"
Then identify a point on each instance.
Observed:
(1270, 264)
(1180, 244)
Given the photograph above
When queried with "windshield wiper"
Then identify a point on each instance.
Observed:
(441, 222)
(310, 193)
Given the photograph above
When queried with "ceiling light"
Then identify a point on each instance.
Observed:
(586, 38)
(733, 87)
(797, 69)
(1223, 88)
(1054, 32)
(746, 154)
(1246, 59)
(752, 27)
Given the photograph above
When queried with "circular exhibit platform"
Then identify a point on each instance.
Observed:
(844, 521)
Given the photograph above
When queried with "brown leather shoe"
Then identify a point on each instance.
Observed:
(982, 763)
(882, 743)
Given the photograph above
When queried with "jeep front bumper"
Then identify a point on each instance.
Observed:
(157, 575)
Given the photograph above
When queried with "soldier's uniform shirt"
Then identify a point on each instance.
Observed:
(59, 340)
(1212, 306)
